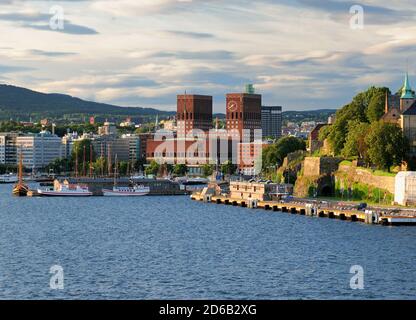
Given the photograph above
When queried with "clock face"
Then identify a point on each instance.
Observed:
(232, 106)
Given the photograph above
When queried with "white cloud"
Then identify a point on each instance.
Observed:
(147, 51)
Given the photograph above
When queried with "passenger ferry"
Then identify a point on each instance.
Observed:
(135, 191)
(66, 190)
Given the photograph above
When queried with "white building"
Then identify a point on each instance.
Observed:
(68, 144)
(2, 149)
(108, 128)
(405, 188)
(39, 149)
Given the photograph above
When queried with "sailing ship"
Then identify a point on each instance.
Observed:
(20, 189)
(135, 191)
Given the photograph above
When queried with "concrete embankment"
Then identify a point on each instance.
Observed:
(310, 209)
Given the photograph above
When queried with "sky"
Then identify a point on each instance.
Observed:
(300, 54)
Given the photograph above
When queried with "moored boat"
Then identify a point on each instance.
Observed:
(8, 178)
(127, 191)
(20, 189)
(66, 190)
(116, 191)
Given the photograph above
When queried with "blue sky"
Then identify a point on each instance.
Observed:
(301, 54)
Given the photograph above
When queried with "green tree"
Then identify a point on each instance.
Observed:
(207, 170)
(122, 168)
(145, 128)
(180, 169)
(287, 145)
(228, 168)
(386, 145)
(376, 106)
(152, 169)
(355, 144)
(356, 110)
(269, 157)
(81, 150)
(138, 165)
(100, 166)
(59, 166)
(273, 155)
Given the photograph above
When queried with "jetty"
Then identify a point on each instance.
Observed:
(303, 207)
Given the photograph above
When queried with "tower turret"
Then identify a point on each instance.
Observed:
(408, 97)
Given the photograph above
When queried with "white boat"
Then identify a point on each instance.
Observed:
(9, 178)
(66, 190)
(135, 191)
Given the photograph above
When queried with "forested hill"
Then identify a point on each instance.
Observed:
(320, 115)
(16, 102)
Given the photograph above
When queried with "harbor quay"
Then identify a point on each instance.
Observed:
(259, 198)
(158, 187)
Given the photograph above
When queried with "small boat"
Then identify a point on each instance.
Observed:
(66, 190)
(127, 191)
(9, 178)
(20, 189)
(136, 191)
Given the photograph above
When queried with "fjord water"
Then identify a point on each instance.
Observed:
(174, 248)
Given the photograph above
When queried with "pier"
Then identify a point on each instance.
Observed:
(308, 209)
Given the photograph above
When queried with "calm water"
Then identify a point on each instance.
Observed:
(174, 248)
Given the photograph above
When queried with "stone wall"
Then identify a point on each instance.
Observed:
(317, 166)
(356, 174)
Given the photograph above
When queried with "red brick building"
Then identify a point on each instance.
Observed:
(243, 112)
(193, 112)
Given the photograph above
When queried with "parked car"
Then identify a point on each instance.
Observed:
(362, 206)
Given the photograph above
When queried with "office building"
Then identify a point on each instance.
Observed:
(8, 154)
(271, 121)
(39, 149)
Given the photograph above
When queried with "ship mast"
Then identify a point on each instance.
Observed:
(115, 172)
(76, 163)
(20, 173)
(91, 161)
(84, 173)
(109, 168)
(102, 160)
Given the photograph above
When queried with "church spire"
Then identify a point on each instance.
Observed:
(407, 92)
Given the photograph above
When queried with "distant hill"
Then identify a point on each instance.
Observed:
(320, 115)
(16, 102)
(20, 103)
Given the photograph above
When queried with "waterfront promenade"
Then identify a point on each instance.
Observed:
(318, 209)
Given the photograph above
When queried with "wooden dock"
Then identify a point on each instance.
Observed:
(308, 209)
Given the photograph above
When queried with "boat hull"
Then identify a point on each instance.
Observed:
(20, 191)
(64, 194)
(112, 193)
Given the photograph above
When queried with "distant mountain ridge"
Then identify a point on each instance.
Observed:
(17, 102)
(21, 103)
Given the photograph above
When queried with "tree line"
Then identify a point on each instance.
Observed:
(358, 132)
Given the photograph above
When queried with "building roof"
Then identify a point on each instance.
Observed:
(407, 92)
(411, 111)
